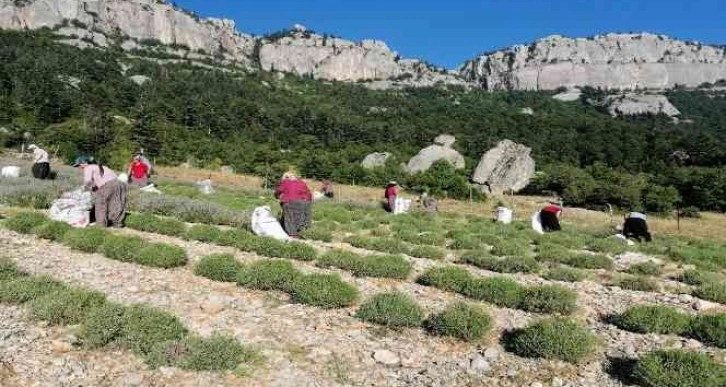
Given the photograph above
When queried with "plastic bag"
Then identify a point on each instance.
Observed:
(265, 224)
(10, 171)
(73, 207)
(401, 206)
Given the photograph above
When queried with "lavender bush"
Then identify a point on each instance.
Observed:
(190, 210)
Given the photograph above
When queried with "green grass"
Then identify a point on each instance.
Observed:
(216, 353)
(24, 289)
(323, 290)
(218, 267)
(156, 224)
(51, 230)
(607, 245)
(710, 329)
(512, 264)
(511, 248)
(698, 277)
(548, 299)
(269, 274)
(9, 270)
(87, 240)
(712, 291)
(589, 261)
(500, 291)
(162, 255)
(429, 252)
(380, 266)
(653, 319)
(638, 283)
(393, 310)
(66, 308)
(460, 320)
(465, 242)
(25, 222)
(646, 268)
(675, 368)
(317, 234)
(122, 248)
(553, 253)
(384, 245)
(446, 278)
(203, 233)
(557, 338)
(565, 274)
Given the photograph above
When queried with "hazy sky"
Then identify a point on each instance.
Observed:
(447, 32)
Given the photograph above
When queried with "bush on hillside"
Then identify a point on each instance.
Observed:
(697, 277)
(269, 274)
(512, 264)
(384, 245)
(548, 299)
(565, 274)
(25, 222)
(460, 320)
(9, 270)
(323, 290)
(23, 289)
(429, 252)
(103, 325)
(218, 267)
(66, 308)
(511, 248)
(675, 368)
(653, 319)
(446, 278)
(317, 234)
(52, 230)
(156, 224)
(203, 233)
(646, 268)
(392, 310)
(144, 327)
(712, 291)
(380, 266)
(642, 284)
(162, 255)
(556, 338)
(710, 329)
(500, 291)
(590, 261)
(216, 353)
(122, 248)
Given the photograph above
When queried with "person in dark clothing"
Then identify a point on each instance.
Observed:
(41, 162)
(636, 227)
(295, 199)
(550, 218)
(390, 195)
(327, 189)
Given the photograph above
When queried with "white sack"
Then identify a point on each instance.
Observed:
(624, 239)
(124, 178)
(265, 224)
(504, 215)
(205, 187)
(11, 171)
(537, 223)
(73, 207)
(401, 206)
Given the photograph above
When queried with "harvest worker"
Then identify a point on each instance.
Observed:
(138, 171)
(295, 199)
(550, 217)
(109, 192)
(327, 189)
(636, 227)
(41, 162)
(390, 195)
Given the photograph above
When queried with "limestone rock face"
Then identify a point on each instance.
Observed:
(568, 96)
(612, 61)
(637, 104)
(506, 167)
(429, 155)
(374, 160)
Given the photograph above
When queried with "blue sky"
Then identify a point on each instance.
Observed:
(447, 32)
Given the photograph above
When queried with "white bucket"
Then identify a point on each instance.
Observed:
(504, 215)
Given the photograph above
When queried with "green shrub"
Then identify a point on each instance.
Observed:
(269, 274)
(553, 253)
(52, 230)
(381, 266)
(697, 277)
(216, 353)
(218, 267)
(317, 234)
(24, 289)
(511, 248)
(385, 245)
(589, 261)
(500, 291)
(103, 325)
(712, 291)
(203, 233)
(9, 270)
(653, 319)
(674, 368)
(548, 299)
(460, 320)
(323, 290)
(501, 265)
(87, 240)
(465, 242)
(66, 308)
(710, 329)
(233, 237)
(446, 278)
(642, 284)
(391, 310)
(144, 327)
(423, 238)
(607, 245)
(565, 274)
(555, 338)
(155, 224)
(429, 252)
(162, 255)
(25, 222)
(273, 248)
(645, 268)
(122, 247)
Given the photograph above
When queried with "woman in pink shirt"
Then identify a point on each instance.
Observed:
(109, 193)
(295, 198)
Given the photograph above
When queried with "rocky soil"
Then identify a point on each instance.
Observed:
(303, 346)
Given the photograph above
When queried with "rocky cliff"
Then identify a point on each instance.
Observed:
(138, 23)
(613, 61)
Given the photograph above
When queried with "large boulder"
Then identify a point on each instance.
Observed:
(441, 150)
(507, 167)
(376, 159)
(637, 104)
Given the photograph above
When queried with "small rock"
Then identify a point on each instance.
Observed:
(61, 346)
(480, 364)
(491, 354)
(386, 357)
(557, 382)
(701, 305)
(685, 298)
